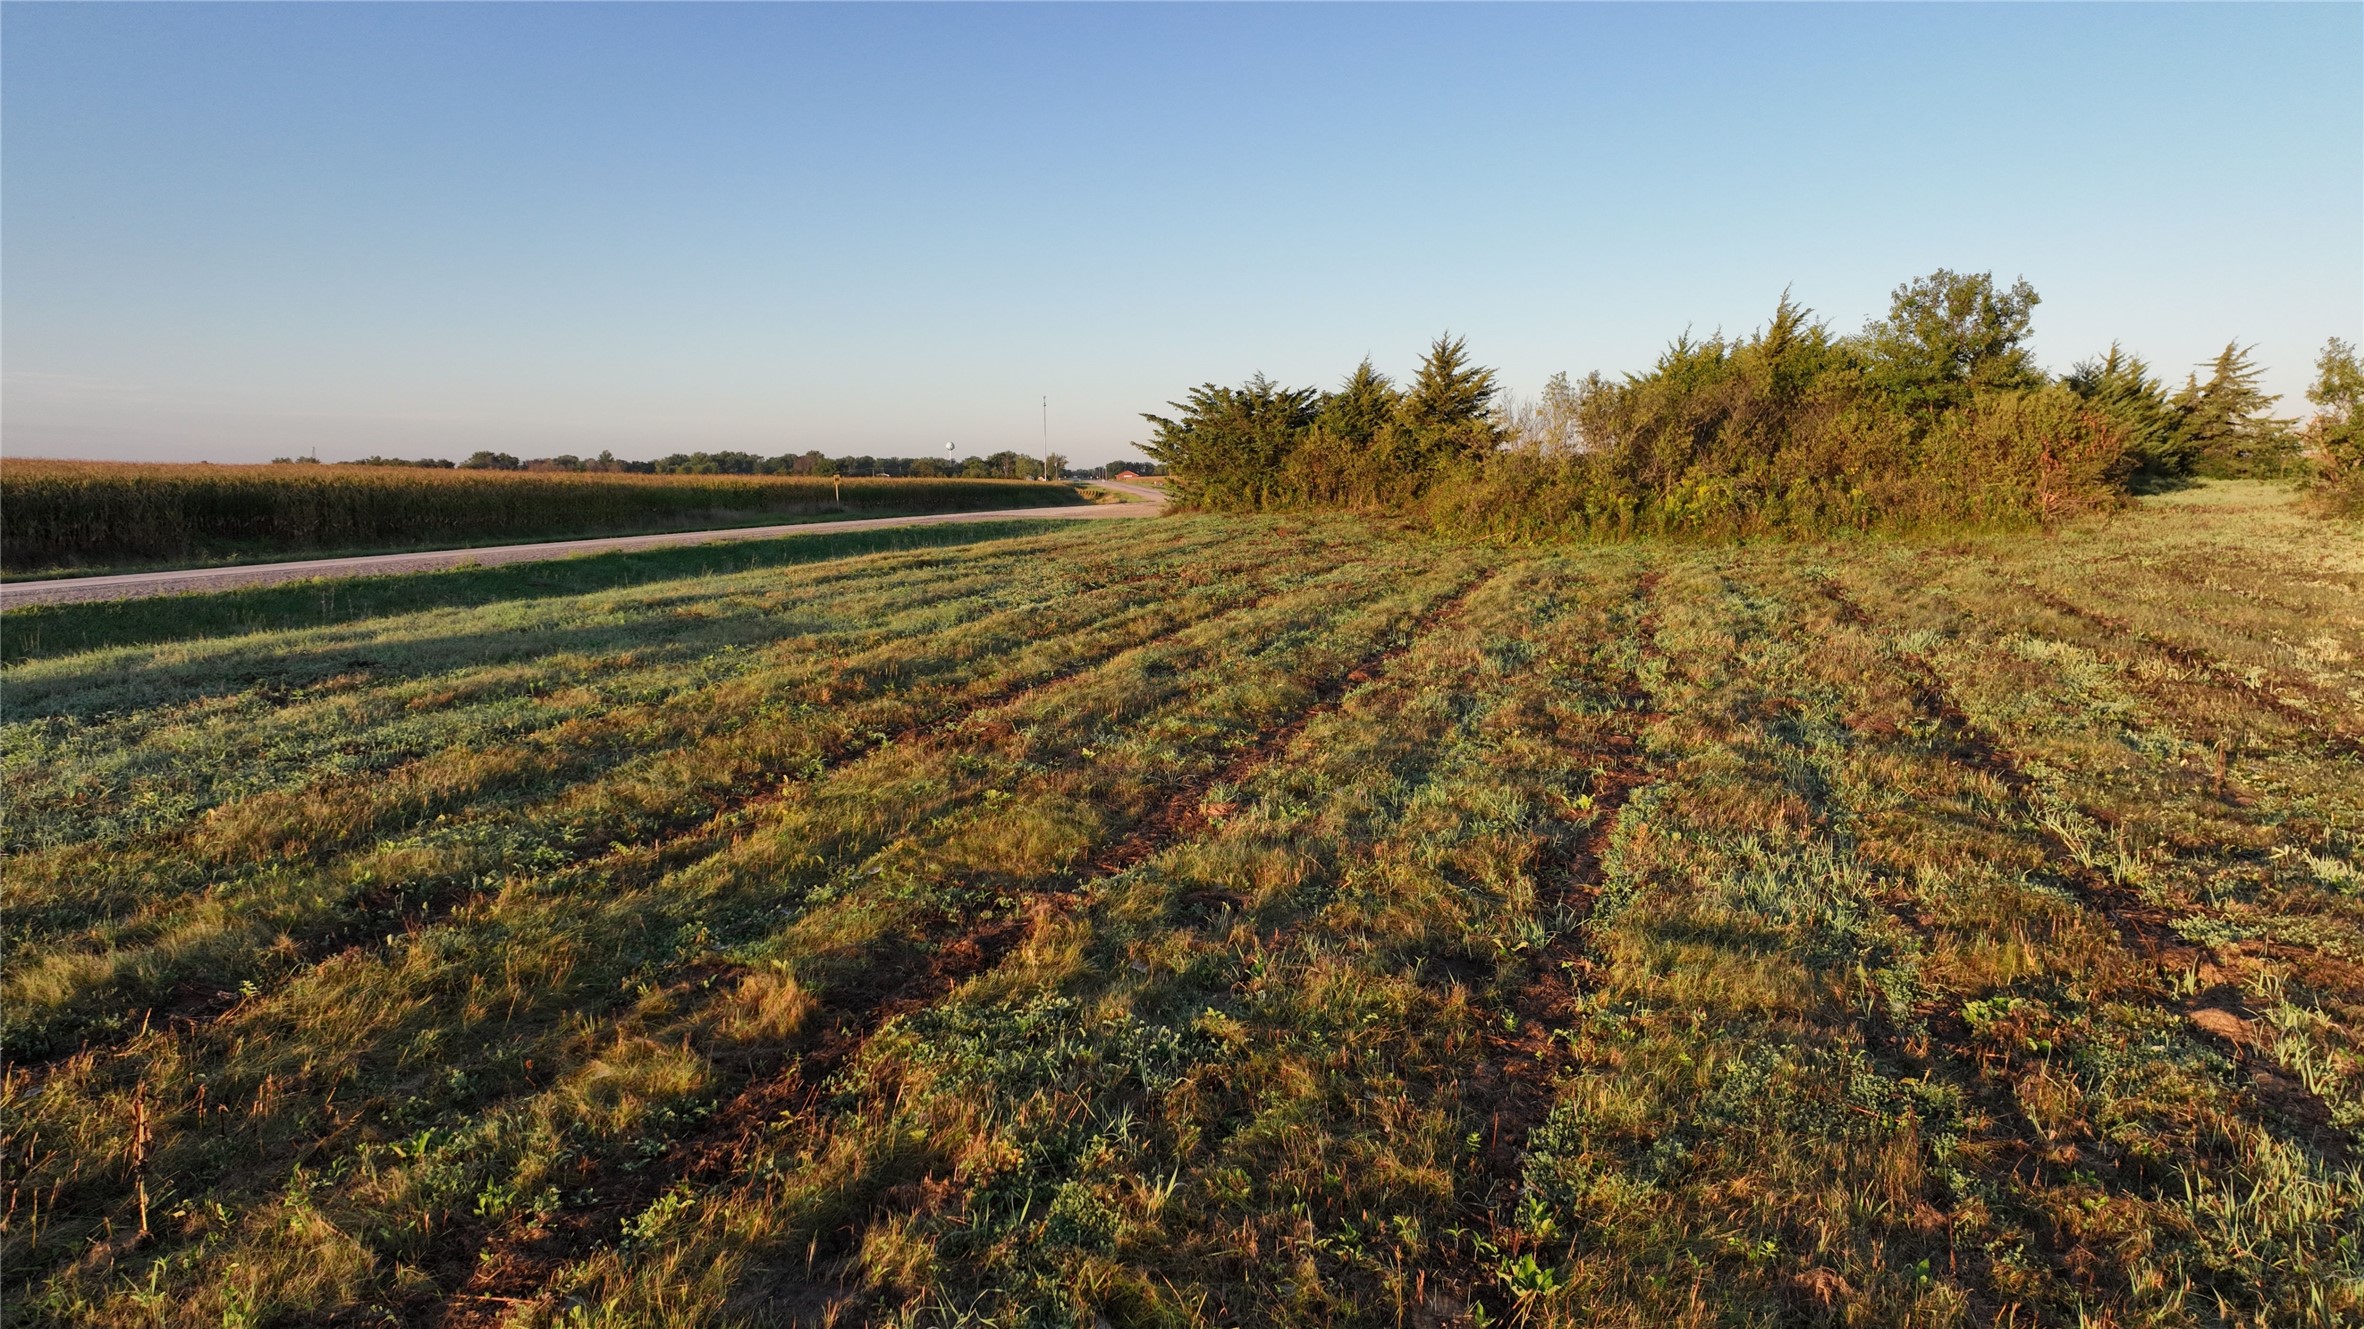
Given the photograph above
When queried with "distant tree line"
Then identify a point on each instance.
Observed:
(999, 466)
(1933, 416)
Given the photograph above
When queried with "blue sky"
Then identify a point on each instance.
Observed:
(233, 231)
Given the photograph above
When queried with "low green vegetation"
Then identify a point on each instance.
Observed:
(1933, 419)
(2336, 435)
(59, 516)
(1221, 920)
(87, 625)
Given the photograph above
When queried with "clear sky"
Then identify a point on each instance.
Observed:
(231, 231)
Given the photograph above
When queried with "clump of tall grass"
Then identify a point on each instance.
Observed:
(57, 514)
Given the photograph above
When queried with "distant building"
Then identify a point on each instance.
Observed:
(1127, 475)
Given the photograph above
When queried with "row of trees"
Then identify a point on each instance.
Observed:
(999, 466)
(2221, 427)
(1934, 415)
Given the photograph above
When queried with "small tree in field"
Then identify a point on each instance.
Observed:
(2225, 419)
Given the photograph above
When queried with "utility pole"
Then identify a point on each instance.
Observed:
(1046, 437)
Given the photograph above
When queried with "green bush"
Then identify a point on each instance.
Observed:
(1932, 419)
(2335, 437)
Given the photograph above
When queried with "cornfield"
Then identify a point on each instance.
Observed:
(56, 514)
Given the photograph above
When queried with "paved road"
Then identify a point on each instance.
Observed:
(132, 585)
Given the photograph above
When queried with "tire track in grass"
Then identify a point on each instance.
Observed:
(1509, 1080)
(2220, 1008)
(511, 1271)
(1453, 1271)
(1945, 1046)
(1512, 1089)
(399, 908)
(2218, 1005)
(1563, 859)
(1781, 729)
(2317, 729)
(2183, 1129)
(2147, 929)
(576, 740)
(767, 871)
(1730, 907)
(1390, 695)
(1307, 592)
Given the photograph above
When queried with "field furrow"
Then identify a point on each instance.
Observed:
(2034, 975)
(1150, 965)
(512, 1270)
(714, 755)
(936, 789)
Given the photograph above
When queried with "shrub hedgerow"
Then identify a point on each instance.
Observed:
(1935, 418)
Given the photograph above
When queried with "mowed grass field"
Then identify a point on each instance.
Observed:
(1218, 921)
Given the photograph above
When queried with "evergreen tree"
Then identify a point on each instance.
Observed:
(1229, 444)
(2121, 385)
(1360, 408)
(2226, 423)
(1447, 413)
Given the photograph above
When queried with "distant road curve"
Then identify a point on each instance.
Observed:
(132, 585)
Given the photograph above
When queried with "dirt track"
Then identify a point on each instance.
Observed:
(132, 585)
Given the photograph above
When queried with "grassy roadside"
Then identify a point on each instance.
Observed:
(725, 521)
(38, 631)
